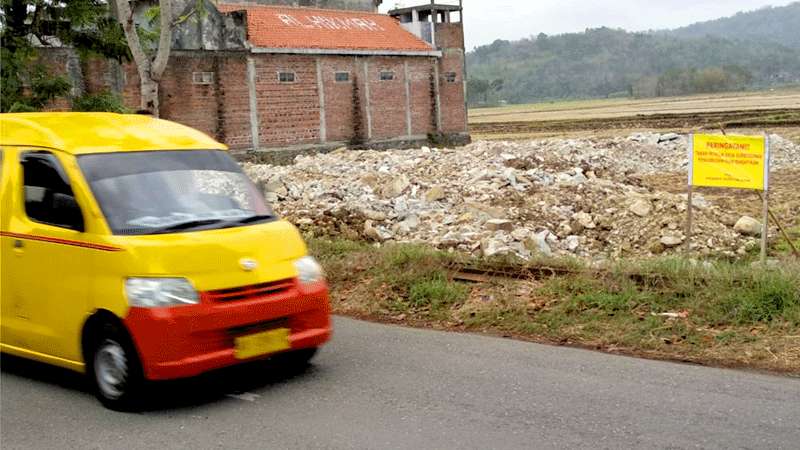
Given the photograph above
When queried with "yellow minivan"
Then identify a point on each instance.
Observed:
(136, 249)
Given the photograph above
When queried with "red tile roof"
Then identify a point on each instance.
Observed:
(308, 28)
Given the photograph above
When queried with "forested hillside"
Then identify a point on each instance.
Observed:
(605, 62)
(776, 25)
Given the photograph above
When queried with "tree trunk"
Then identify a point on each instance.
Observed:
(149, 92)
(150, 72)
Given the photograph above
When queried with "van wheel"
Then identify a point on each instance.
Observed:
(115, 370)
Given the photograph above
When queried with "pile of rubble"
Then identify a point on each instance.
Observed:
(547, 197)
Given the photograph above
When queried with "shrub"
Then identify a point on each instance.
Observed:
(102, 102)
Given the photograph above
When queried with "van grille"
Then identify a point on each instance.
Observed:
(252, 292)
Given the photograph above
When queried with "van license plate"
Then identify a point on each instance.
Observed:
(259, 344)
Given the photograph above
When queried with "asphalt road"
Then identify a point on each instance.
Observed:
(377, 386)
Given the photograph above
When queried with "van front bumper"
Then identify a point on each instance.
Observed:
(185, 341)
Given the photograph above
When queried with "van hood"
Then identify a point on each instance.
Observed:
(217, 259)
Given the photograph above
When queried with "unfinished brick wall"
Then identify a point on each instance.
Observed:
(450, 38)
(422, 102)
(340, 106)
(191, 102)
(451, 92)
(234, 95)
(387, 98)
(288, 111)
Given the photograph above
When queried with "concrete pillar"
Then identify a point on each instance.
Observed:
(408, 98)
(438, 99)
(367, 107)
(251, 88)
(323, 126)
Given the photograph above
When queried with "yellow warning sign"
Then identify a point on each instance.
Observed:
(729, 161)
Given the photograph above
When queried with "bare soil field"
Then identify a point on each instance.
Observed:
(773, 111)
(608, 108)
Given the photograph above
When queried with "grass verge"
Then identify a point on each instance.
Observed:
(720, 314)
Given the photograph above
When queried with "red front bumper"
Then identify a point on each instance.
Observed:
(186, 341)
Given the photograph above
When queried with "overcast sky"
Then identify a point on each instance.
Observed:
(487, 20)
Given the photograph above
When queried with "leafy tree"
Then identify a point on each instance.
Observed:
(150, 44)
(101, 102)
(477, 88)
(25, 25)
(605, 62)
(150, 69)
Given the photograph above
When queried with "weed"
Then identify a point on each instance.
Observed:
(437, 292)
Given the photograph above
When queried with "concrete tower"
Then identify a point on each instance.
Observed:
(441, 25)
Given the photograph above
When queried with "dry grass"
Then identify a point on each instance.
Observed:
(717, 313)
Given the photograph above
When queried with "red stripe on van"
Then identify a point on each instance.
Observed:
(52, 240)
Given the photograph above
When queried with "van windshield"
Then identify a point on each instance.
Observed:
(172, 191)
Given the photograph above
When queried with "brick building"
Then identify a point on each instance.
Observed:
(266, 74)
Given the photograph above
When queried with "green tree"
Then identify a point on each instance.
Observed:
(26, 25)
(477, 88)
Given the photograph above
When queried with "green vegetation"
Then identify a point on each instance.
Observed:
(715, 312)
(768, 24)
(102, 102)
(604, 63)
(25, 82)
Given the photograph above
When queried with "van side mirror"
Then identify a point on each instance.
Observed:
(67, 212)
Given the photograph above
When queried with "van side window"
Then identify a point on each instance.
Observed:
(48, 196)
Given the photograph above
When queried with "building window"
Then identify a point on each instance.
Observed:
(450, 77)
(342, 77)
(387, 75)
(286, 77)
(202, 77)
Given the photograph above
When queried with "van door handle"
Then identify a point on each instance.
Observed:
(18, 244)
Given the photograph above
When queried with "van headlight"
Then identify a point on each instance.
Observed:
(160, 292)
(309, 270)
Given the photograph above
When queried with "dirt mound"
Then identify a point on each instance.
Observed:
(585, 198)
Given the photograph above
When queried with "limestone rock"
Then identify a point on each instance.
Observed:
(396, 188)
(436, 193)
(670, 241)
(641, 208)
(499, 224)
(537, 244)
(572, 243)
(585, 220)
(748, 226)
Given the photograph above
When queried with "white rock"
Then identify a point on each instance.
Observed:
(520, 234)
(585, 219)
(573, 242)
(641, 208)
(538, 244)
(748, 226)
(396, 188)
(436, 193)
(670, 241)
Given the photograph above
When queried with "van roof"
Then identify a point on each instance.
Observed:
(85, 133)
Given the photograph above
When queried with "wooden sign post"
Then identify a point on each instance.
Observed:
(739, 162)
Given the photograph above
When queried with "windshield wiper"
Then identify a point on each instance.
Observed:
(185, 226)
(258, 218)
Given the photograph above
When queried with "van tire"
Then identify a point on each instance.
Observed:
(114, 369)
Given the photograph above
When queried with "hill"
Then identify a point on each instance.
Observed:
(606, 62)
(777, 25)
